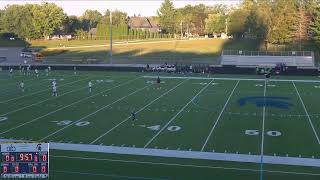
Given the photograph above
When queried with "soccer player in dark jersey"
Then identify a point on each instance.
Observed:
(158, 82)
(267, 76)
(133, 117)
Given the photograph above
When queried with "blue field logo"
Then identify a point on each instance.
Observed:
(269, 101)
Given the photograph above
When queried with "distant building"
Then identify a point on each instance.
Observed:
(93, 33)
(144, 23)
(59, 37)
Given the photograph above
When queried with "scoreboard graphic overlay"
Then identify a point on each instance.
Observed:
(25, 160)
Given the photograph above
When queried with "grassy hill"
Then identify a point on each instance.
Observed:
(149, 51)
(186, 51)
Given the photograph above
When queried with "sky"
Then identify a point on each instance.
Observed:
(131, 7)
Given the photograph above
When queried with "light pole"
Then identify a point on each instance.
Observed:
(110, 52)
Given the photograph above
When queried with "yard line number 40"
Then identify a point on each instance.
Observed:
(67, 122)
(170, 128)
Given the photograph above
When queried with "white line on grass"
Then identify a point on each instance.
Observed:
(305, 109)
(95, 112)
(106, 175)
(184, 165)
(5, 101)
(101, 136)
(215, 124)
(233, 79)
(174, 117)
(64, 107)
(263, 129)
(48, 99)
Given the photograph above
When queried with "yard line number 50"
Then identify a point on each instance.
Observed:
(257, 132)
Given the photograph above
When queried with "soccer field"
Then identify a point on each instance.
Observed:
(192, 127)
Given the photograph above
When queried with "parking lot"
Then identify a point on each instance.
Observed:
(12, 55)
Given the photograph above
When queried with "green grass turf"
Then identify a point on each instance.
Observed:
(174, 121)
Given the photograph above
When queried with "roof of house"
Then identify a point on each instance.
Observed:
(142, 22)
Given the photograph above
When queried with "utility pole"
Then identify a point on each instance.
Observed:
(110, 52)
(181, 30)
(226, 26)
(188, 30)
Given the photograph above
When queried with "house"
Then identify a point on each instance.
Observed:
(92, 33)
(144, 23)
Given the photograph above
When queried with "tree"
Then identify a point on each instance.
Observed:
(90, 19)
(255, 25)
(1, 16)
(306, 11)
(283, 19)
(199, 16)
(81, 34)
(166, 15)
(315, 26)
(119, 18)
(47, 18)
(73, 23)
(215, 23)
(18, 19)
(236, 22)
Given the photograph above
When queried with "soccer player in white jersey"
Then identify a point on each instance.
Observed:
(54, 83)
(22, 86)
(23, 71)
(11, 71)
(37, 72)
(54, 91)
(20, 69)
(28, 70)
(90, 86)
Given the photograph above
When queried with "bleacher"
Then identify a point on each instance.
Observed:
(255, 58)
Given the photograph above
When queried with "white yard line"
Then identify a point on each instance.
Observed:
(19, 97)
(215, 124)
(305, 109)
(48, 99)
(263, 130)
(95, 112)
(101, 136)
(106, 175)
(174, 117)
(64, 107)
(183, 165)
(233, 79)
